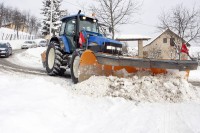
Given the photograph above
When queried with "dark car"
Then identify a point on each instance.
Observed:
(5, 49)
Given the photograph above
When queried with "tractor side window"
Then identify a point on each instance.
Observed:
(62, 30)
(70, 28)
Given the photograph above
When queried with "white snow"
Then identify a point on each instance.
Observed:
(194, 51)
(194, 75)
(10, 35)
(43, 104)
(5, 34)
(29, 58)
(160, 88)
(138, 103)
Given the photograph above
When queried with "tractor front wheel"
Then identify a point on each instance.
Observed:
(74, 67)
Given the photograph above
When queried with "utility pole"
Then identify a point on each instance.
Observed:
(51, 18)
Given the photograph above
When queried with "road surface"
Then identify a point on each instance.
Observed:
(6, 64)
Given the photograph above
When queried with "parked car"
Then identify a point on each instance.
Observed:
(5, 49)
(41, 42)
(29, 44)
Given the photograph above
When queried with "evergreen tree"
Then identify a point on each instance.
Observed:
(46, 11)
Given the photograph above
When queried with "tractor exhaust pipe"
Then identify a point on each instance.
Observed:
(77, 29)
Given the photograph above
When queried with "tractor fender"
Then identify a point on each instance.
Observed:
(55, 39)
(61, 42)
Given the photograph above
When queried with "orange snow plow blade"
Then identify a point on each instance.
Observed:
(100, 64)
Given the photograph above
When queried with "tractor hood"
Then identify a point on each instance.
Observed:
(99, 39)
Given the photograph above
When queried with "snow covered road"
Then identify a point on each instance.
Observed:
(48, 105)
(14, 63)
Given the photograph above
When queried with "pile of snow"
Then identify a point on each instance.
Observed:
(160, 88)
(29, 58)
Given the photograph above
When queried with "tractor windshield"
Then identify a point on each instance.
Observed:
(88, 24)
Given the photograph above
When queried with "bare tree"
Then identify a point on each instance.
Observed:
(25, 20)
(8, 14)
(2, 11)
(32, 24)
(183, 21)
(37, 27)
(155, 52)
(114, 13)
(17, 20)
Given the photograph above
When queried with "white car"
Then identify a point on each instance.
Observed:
(28, 44)
(41, 42)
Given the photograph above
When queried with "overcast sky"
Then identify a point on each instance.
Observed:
(147, 18)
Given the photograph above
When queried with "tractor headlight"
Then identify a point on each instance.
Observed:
(94, 20)
(113, 48)
(84, 18)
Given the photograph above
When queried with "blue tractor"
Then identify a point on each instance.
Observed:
(77, 34)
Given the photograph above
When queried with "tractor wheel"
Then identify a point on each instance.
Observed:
(74, 67)
(54, 57)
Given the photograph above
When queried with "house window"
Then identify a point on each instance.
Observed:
(164, 40)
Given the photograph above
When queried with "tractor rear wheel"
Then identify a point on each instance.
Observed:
(54, 57)
(75, 61)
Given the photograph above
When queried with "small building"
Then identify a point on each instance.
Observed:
(164, 46)
(138, 38)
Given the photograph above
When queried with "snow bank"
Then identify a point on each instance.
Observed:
(160, 88)
(194, 75)
(10, 34)
(29, 58)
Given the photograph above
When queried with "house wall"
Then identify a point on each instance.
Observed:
(160, 50)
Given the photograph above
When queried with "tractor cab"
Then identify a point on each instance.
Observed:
(81, 32)
(74, 27)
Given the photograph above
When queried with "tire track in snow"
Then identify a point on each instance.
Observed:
(7, 65)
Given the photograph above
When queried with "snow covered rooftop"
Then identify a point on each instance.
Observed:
(132, 37)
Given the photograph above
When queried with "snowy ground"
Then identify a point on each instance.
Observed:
(51, 105)
(29, 58)
(140, 103)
